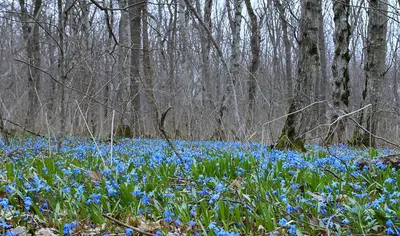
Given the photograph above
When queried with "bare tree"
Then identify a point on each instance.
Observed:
(32, 38)
(300, 121)
(148, 70)
(135, 29)
(288, 47)
(340, 70)
(255, 62)
(375, 70)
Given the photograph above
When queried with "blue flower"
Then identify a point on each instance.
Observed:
(168, 216)
(128, 231)
(212, 225)
(8, 233)
(4, 203)
(145, 200)
(178, 222)
(389, 223)
(292, 230)
(158, 233)
(282, 222)
(68, 229)
(4, 224)
(346, 221)
(389, 231)
(27, 202)
(192, 223)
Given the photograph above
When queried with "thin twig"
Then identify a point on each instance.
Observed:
(24, 128)
(91, 134)
(126, 225)
(161, 127)
(373, 135)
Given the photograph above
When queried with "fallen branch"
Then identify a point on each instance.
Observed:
(126, 225)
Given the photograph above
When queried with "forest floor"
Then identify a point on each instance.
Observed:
(214, 188)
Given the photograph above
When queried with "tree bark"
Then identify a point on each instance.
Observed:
(122, 82)
(322, 80)
(255, 62)
(135, 29)
(375, 69)
(207, 98)
(340, 70)
(235, 25)
(299, 120)
(32, 39)
(62, 19)
(148, 71)
(288, 47)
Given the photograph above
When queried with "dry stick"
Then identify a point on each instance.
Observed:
(286, 115)
(112, 137)
(91, 134)
(161, 127)
(125, 225)
(373, 135)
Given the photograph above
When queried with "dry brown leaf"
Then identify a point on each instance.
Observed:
(94, 175)
(236, 183)
(342, 198)
(46, 232)
(316, 196)
(149, 226)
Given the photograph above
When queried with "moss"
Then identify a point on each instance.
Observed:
(123, 131)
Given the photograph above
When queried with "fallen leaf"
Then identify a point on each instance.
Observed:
(46, 232)
(316, 196)
(19, 230)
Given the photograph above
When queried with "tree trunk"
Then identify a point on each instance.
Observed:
(3, 130)
(288, 47)
(122, 82)
(340, 70)
(235, 25)
(32, 38)
(375, 69)
(62, 19)
(135, 28)
(300, 120)
(207, 98)
(255, 63)
(322, 80)
(148, 71)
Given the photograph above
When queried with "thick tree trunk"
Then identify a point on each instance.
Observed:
(322, 80)
(148, 72)
(300, 120)
(122, 82)
(32, 38)
(255, 63)
(375, 69)
(340, 70)
(235, 25)
(207, 98)
(135, 28)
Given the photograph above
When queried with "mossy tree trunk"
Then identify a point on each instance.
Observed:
(375, 69)
(301, 120)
